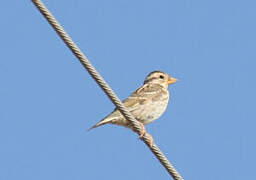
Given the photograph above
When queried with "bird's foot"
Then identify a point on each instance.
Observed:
(151, 140)
(144, 133)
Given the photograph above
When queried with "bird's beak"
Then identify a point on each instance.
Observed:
(172, 80)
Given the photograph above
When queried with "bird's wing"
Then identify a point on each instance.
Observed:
(139, 97)
(149, 91)
(143, 97)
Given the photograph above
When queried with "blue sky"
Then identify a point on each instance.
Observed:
(48, 100)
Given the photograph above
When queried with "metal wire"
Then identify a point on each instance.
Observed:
(105, 87)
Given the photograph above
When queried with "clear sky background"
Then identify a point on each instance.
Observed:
(48, 100)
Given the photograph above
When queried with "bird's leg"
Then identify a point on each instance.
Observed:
(144, 133)
(151, 140)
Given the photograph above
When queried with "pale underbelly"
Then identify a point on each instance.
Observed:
(152, 113)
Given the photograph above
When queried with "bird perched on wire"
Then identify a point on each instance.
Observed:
(146, 104)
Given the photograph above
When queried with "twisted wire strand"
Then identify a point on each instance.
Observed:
(105, 87)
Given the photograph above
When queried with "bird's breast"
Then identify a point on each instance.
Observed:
(154, 110)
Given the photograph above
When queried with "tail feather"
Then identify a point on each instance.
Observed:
(102, 122)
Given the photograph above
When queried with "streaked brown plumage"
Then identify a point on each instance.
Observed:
(146, 104)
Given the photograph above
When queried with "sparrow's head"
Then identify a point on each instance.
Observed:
(159, 77)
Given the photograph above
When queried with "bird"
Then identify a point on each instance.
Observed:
(146, 104)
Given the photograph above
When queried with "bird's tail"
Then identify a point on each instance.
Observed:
(102, 122)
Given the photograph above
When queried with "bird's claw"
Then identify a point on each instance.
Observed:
(144, 133)
(151, 140)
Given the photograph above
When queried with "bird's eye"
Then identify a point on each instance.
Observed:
(161, 77)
